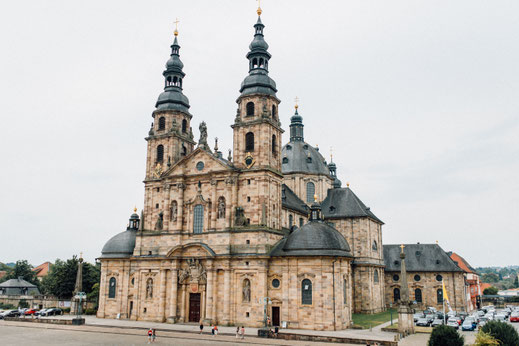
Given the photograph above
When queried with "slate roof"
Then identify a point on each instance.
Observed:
(419, 258)
(119, 246)
(290, 201)
(316, 238)
(16, 283)
(343, 203)
(301, 157)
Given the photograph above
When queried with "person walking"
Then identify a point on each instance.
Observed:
(242, 332)
(201, 326)
(237, 332)
(154, 335)
(150, 333)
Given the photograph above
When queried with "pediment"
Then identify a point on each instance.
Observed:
(199, 161)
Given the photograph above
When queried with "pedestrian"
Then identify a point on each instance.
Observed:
(276, 331)
(154, 335)
(212, 329)
(237, 332)
(215, 329)
(201, 326)
(242, 332)
(150, 333)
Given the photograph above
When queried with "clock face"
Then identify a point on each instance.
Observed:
(249, 160)
(200, 165)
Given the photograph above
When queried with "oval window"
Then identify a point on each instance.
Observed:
(439, 277)
(396, 277)
(200, 165)
(275, 283)
(417, 277)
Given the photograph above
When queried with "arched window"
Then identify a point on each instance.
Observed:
(168, 81)
(254, 63)
(221, 208)
(198, 218)
(374, 246)
(173, 211)
(246, 291)
(301, 222)
(418, 295)
(306, 292)
(396, 294)
(310, 192)
(375, 276)
(250, 109)
(149, 288)
(160, 153)
(274, 113)
(345, 291)
(285, 160)
(184, 150)
(162, 123)
(274, 146)
(175, 81)
(180, 82)
(261, 62)
(290, 221)
(184, 126)
(439, 296)
(249, 141)
(111, 288)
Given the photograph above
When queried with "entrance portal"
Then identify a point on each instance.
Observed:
(194, 307)
(275, 316)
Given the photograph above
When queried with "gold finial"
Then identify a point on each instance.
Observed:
(315, 198)
(436, 242)
(348, 184)
(402, 248)
(135, 209)
(176, 26)
(331, 154)
(258, 11)
(297, 102)
(80, 255)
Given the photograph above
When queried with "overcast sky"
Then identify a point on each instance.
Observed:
(419, 100)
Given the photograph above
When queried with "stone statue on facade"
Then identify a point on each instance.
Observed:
(221, 208)
(202, 142)
(239, 219)
(194, 273)
(246, 290)
(149, 288)
(160, 222)
(174, 212)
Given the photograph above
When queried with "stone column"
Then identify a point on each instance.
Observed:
(226, 295)
(102, 292)
(286, 294)
(405, 312)
(215, 294)
(209, 298)
(174, 293)
(180, 206)
(162, 295)
(183, 304)
(167, 207)
(214, 209)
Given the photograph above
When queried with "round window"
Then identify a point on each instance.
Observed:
(396, 277)
(275, 283)
(417, 277)
(439, 277)
(200, 165)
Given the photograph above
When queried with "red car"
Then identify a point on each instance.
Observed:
(30, 312)
(514, 318)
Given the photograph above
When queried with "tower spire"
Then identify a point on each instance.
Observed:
(172, 98)
(296, 124)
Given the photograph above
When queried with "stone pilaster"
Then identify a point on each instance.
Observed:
(162, 295)
(173, 299)
(226, 296)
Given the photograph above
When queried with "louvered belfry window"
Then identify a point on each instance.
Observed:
(198, 219)
(310, 192)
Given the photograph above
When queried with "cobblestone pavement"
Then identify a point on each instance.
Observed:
(23, 333)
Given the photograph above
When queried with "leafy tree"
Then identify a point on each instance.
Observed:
(93, 296)
(490, 291)
(503, 332)
(443, 335)
(484, 339)
(22, 304)
(22, 269)
(490, 277)
(516, 281)
(5, 267)
(61, 279)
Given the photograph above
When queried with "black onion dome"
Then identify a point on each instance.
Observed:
(301, 157)
(119, 246)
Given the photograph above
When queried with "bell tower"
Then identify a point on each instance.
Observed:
(257, 129)
(170, 137)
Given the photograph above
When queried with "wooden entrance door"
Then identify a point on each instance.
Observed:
(131, 309)
(194, 307)
(275, 316)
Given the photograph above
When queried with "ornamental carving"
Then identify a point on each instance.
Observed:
(194, 273)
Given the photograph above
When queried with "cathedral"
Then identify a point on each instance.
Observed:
(267, 232)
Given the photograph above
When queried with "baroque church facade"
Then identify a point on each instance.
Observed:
(267, 232)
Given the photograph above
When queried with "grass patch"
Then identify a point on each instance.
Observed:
(367, 321)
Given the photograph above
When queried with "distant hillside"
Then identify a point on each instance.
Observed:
(6, 267)
(500, 277)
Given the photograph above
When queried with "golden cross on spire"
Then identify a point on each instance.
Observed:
(331, 154)
(176, 26)
(81, 255)
(296, 100)
(135, 209)
(258, 11)
(402, 248)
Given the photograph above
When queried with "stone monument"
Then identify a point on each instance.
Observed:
(405, 312)
(78, 294)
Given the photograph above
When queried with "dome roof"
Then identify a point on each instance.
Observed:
(258, 83)
(316, 238)
(174, 63)
(120, 245)
(171, 99)
(258, 43)
(301, 157)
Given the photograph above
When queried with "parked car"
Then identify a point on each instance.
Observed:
(500, 317)
(468, 325)
(514, 317)
(437, 322)
(453, 323)
(42, 312)
(54, 311)
(424, 322)
(30, 312)
(418, 315)
(10, 313)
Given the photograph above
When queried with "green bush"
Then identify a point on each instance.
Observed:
(4, 306)
(22, 304)
(503, 332)
(445, 336)
(90, 311)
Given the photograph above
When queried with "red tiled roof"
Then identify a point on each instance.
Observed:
(460, 261)
(42, 270)
(2, 274)
(484, 285)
